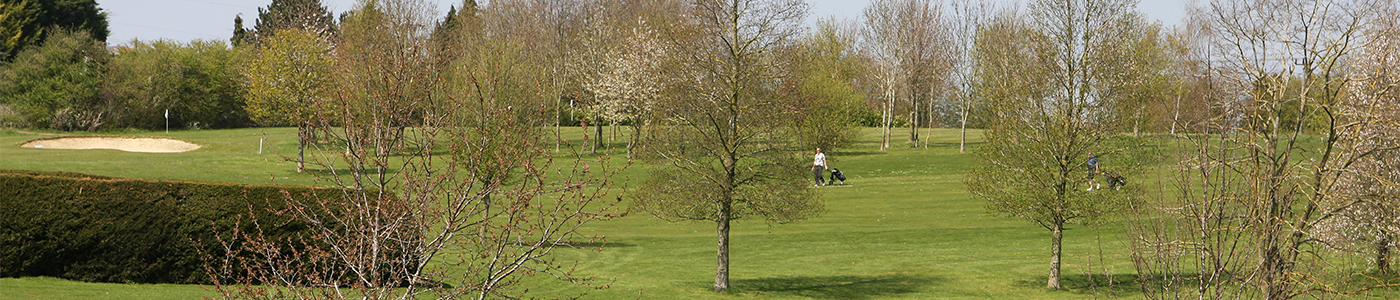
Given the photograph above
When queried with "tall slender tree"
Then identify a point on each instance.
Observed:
(909, 41)
(1047, 111)
(966, 18)
(721, 152)
(240, 34)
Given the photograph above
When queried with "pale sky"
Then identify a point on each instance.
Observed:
(185, 20)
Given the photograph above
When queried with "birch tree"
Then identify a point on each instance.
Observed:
(966, 17)
(908, 42)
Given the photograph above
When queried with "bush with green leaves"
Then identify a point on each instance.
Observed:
(57, 84)
(197, 82)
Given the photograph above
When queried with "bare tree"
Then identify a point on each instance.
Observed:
(908, 40)
(882, 35)
(448, 190)
(721, 151)
(1261, 187)
(966, 18)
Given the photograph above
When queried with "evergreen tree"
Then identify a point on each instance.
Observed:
(455, 30)
(445, 29)
(240, 34)
(455, 23)
(29, 22)
(12, 21)
(308, 15)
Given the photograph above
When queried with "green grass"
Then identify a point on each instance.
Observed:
(903, 228)
(225, 156)
(54, 288)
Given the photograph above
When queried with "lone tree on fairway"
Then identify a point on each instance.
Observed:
(721, 149)
(1042, 81)
(287, 81)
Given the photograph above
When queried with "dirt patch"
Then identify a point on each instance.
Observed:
(129, 144)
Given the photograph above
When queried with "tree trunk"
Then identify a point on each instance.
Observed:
(889, 118)
(635, 139)
(597, 133)
(962, 142)
(1137, 122)
(722, 268)
(558, 121)
(884, 129)
(301, 148)
(914, 124)
(1176, 114)
(1383, 255)
(1056, 233)
(928, 121)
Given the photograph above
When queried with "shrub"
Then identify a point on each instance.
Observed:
(9, 118)
(64, 72)
(104, 229)
(196, 81)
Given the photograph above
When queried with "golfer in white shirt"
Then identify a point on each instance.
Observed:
(818, 165)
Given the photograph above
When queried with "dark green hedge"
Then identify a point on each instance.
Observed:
(104, 229)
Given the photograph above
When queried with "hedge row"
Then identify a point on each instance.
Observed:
(104, 229)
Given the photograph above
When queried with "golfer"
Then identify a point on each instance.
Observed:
(818, 165)
(1093, 168)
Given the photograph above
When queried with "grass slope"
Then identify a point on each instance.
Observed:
(903, 228)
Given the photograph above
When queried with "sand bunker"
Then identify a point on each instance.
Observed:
(129, 144)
